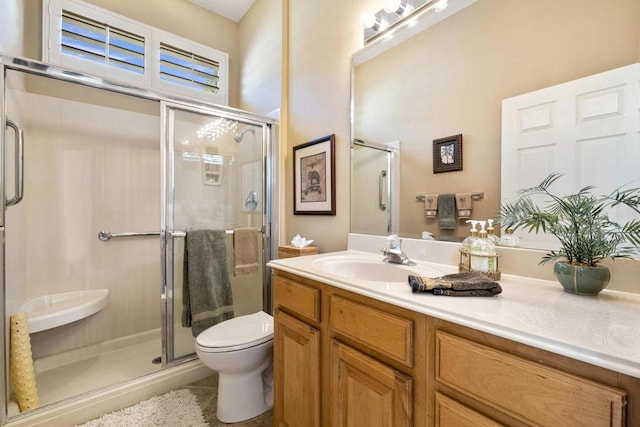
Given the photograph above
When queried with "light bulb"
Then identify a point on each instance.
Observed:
(398, 7)
(392, 6)
(369, 20)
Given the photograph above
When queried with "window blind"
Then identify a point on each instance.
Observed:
(188, 69)
(100, 42)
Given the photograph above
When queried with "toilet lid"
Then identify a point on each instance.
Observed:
(244, 331)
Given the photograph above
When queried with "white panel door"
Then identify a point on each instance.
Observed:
(587, 128)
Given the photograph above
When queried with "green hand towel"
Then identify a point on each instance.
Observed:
(206, 286)
(447, 212)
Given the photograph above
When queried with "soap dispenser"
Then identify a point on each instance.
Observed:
(466, 243)
(465, 261)
(483, 252)
(491, 234)
(510, 239)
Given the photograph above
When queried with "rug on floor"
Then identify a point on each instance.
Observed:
(176, 408)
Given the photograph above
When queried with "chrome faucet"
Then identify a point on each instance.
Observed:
(393, 252)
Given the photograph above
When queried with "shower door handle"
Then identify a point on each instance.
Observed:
(381, 203)
(19, 163)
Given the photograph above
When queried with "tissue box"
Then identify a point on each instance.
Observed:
(288, 251)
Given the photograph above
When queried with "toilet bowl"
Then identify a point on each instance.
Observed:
(240, 350)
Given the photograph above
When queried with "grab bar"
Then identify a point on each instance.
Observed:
(19, 159)
(107, 235)
(381, 203)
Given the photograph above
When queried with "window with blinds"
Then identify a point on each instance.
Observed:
(188, 69)
(100, 42)
(87, 38)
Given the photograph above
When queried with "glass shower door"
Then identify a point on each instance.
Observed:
(90, 164)
(214, 179)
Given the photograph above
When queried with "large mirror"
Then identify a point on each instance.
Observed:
(452, 77)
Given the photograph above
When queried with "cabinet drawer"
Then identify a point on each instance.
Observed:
(451, 413)
(386, 333)
(525, 390)
(297, 298)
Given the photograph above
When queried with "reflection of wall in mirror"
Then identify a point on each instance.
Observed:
(452, 78)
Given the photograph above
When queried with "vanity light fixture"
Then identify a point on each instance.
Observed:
(394, 14)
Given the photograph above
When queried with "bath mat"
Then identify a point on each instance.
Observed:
(176, 408)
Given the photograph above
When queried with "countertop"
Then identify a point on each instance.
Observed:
(603, 330)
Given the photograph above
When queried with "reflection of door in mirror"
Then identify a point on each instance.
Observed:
(587, 128)
(374, 174)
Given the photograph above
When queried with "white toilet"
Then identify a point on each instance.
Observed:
(240, 350)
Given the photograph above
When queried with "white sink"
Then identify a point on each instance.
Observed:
(373, 271)
(50, 311)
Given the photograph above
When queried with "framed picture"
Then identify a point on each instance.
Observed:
(314, 182)
(447, 154)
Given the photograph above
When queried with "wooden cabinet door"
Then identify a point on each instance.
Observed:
(366, 392)
(296, 363)
(450, 413)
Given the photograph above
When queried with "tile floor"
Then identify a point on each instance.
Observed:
(206, 392)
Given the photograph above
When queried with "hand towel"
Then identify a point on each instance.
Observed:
(447, 212)
(431, 205)
(469, 284)
(206, 286)
(245, 251)
(464, 204)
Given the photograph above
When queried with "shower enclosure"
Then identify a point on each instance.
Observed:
(99, 184)
(375, 177)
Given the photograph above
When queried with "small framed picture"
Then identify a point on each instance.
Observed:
(314, 183)
(447, 154)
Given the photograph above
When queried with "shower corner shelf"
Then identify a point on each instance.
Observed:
(51, 311)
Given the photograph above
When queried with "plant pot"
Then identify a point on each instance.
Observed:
(581, 280)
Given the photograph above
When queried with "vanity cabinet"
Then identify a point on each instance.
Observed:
(368, 373)
(365, 390)
(296, 355)
(343, 359)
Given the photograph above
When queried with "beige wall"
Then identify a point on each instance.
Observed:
(11, 18)
(322, 37)
(451, 79)
(261, 57)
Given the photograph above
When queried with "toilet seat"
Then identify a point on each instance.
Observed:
(237, 333)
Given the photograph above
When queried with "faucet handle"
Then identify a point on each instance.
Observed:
(393, 241)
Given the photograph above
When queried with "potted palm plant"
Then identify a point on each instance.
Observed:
(581, 223)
